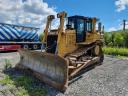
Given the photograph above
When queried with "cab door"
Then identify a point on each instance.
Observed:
(80, 31)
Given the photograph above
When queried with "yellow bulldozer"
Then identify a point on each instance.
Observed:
(70, 48)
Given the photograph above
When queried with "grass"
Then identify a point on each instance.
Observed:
(23, 85)
(121, 57)
(6, 81)
(116, 51)
(8, 64)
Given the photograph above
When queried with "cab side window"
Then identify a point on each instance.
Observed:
(89, 26)
(71, 23)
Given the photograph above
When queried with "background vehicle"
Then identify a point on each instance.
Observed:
(13, 37)
(67, 52)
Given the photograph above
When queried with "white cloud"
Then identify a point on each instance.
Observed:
(119, 27)
(112, 29)
(29, 12)
(121, 5)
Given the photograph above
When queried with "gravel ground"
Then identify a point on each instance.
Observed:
(109, 79)
(13, 57)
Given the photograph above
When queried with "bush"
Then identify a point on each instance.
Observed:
(116, 51)
(116, 39)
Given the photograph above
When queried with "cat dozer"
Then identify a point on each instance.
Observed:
(68, 50)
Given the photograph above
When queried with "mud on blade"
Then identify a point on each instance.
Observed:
(49, 68)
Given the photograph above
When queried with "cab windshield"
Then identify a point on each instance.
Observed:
(80, 24)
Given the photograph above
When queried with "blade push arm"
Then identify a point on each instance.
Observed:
(49, 20)
(61, 15)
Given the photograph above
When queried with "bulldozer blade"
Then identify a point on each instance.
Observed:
(49, 68)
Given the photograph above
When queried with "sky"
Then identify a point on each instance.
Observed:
(110, 12)
(34, 12)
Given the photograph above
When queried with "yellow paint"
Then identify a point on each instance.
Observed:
(66, 42)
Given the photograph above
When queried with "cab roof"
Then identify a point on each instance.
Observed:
(82, 17)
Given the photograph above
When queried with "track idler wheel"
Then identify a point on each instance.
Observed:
(97, 51)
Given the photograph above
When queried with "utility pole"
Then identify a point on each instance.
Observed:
(124, 25)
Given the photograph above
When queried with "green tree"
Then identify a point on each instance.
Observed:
(107, 38)
(41, 36)
(125, 35)
(118, 39)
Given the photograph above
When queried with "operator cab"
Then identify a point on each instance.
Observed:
(82, 25)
